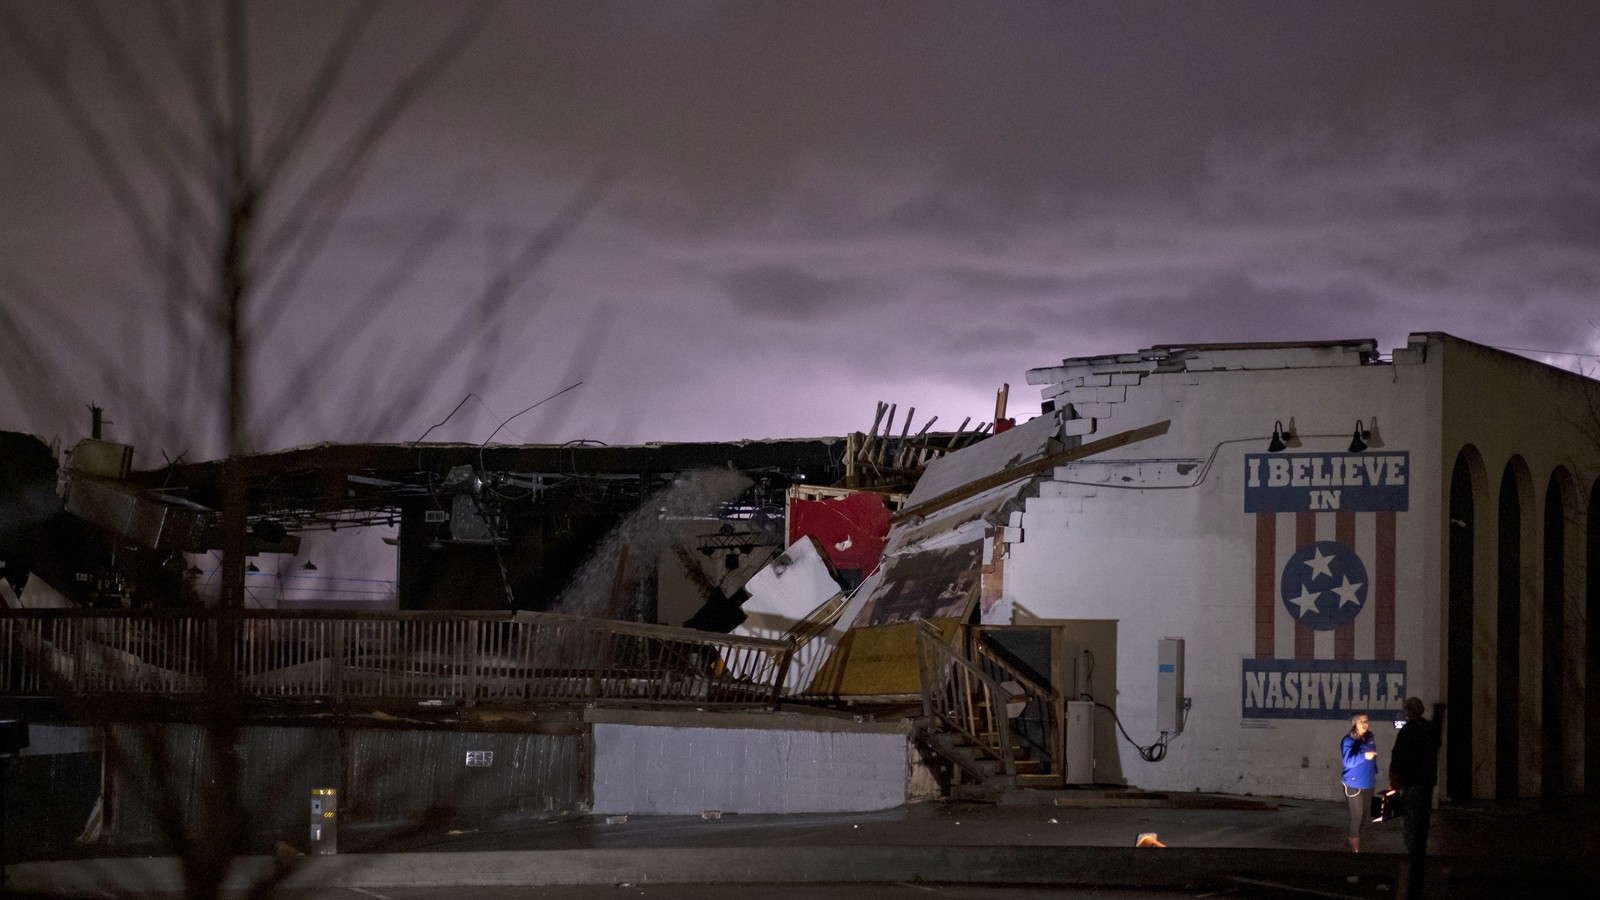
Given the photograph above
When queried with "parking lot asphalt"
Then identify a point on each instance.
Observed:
(1241, 846)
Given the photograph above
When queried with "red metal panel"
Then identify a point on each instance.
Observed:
(851, 530)
(1305, 532)
(1383, 587)
(1266, 582)
(1344, 636)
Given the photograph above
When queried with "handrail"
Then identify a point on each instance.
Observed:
(817, 622)
(468, 657)
(1043, 708)
(950, 683)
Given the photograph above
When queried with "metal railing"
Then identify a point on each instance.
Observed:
(462, 657)
(958, 697)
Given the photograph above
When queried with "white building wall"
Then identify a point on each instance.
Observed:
(670, 771)
(1156, 536)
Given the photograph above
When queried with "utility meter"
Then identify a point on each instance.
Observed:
(324, 821)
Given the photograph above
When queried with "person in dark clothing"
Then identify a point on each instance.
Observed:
(1413, 771)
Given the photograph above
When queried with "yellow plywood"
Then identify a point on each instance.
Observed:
(876, 660)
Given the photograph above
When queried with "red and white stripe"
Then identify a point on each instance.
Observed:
(1371, 635)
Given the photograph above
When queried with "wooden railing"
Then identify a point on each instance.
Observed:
(959, 698)
(462, 657)
(1040, 724)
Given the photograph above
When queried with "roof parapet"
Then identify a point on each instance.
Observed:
(1213, 357)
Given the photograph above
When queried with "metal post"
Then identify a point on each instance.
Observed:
(783, 674)
(469, 688)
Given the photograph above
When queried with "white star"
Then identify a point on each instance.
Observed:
(1307, 601)
(1319, 565)
(1347, 592)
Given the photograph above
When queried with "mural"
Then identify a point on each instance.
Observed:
(1324, 576)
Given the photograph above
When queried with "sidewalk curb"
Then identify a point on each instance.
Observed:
(1028, 865)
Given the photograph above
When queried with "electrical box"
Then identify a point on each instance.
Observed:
(1080, 742)
(1169, 686)
(324, 821)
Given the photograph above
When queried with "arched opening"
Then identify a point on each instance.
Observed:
(1458, 688)
(1552, 780)
(1591, 605)
(1508, 635)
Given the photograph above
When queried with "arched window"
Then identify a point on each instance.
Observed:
(1591, 605)
(1553, 731)
(1508, 633)
(1458, 689)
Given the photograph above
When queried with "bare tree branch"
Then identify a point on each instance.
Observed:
(176, 152)
(291, 137)
(190, 46)
(483, 311)
(402, 269)
(585, 353)
(36, 379)
(306, 223)
(93, 139)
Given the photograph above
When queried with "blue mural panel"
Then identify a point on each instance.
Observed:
(1327, 482)
(1323, 688)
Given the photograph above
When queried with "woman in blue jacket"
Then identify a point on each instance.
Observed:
(1360, 774)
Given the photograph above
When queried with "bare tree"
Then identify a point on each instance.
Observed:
(227, 212)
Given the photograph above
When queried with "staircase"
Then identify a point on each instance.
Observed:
(997, 726)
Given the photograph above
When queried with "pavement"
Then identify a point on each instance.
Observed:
(1213, 844)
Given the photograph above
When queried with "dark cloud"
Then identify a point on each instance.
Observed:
(974, 281)
(783, 292)
(932, 217)
(929, 196)
(1258, 311)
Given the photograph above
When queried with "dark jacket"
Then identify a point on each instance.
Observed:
(1414, 762)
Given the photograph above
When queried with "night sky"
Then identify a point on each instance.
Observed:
(771, 215)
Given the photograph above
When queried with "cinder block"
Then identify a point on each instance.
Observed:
(1093, 410)
(1098, 379)
(1077, 427)
(1126, 379)
(1057, 388)
(1108, 395)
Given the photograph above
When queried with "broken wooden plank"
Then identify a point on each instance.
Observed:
(888, 429)
(900, 447)
(1015, 473)
(872, 435)
(959, 431)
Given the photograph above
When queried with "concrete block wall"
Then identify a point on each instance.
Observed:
(1156, 537)
(665, 770)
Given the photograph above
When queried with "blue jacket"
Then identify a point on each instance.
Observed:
(1360, 772)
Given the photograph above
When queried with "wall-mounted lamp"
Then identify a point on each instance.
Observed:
(1281, 436)
(251, 567)
(1359, 441)
(308, 566)
(193, 572)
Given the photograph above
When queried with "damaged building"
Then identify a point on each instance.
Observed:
(1186, 574)
(1268, 539)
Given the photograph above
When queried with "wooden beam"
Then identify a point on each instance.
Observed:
(1016, 473)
